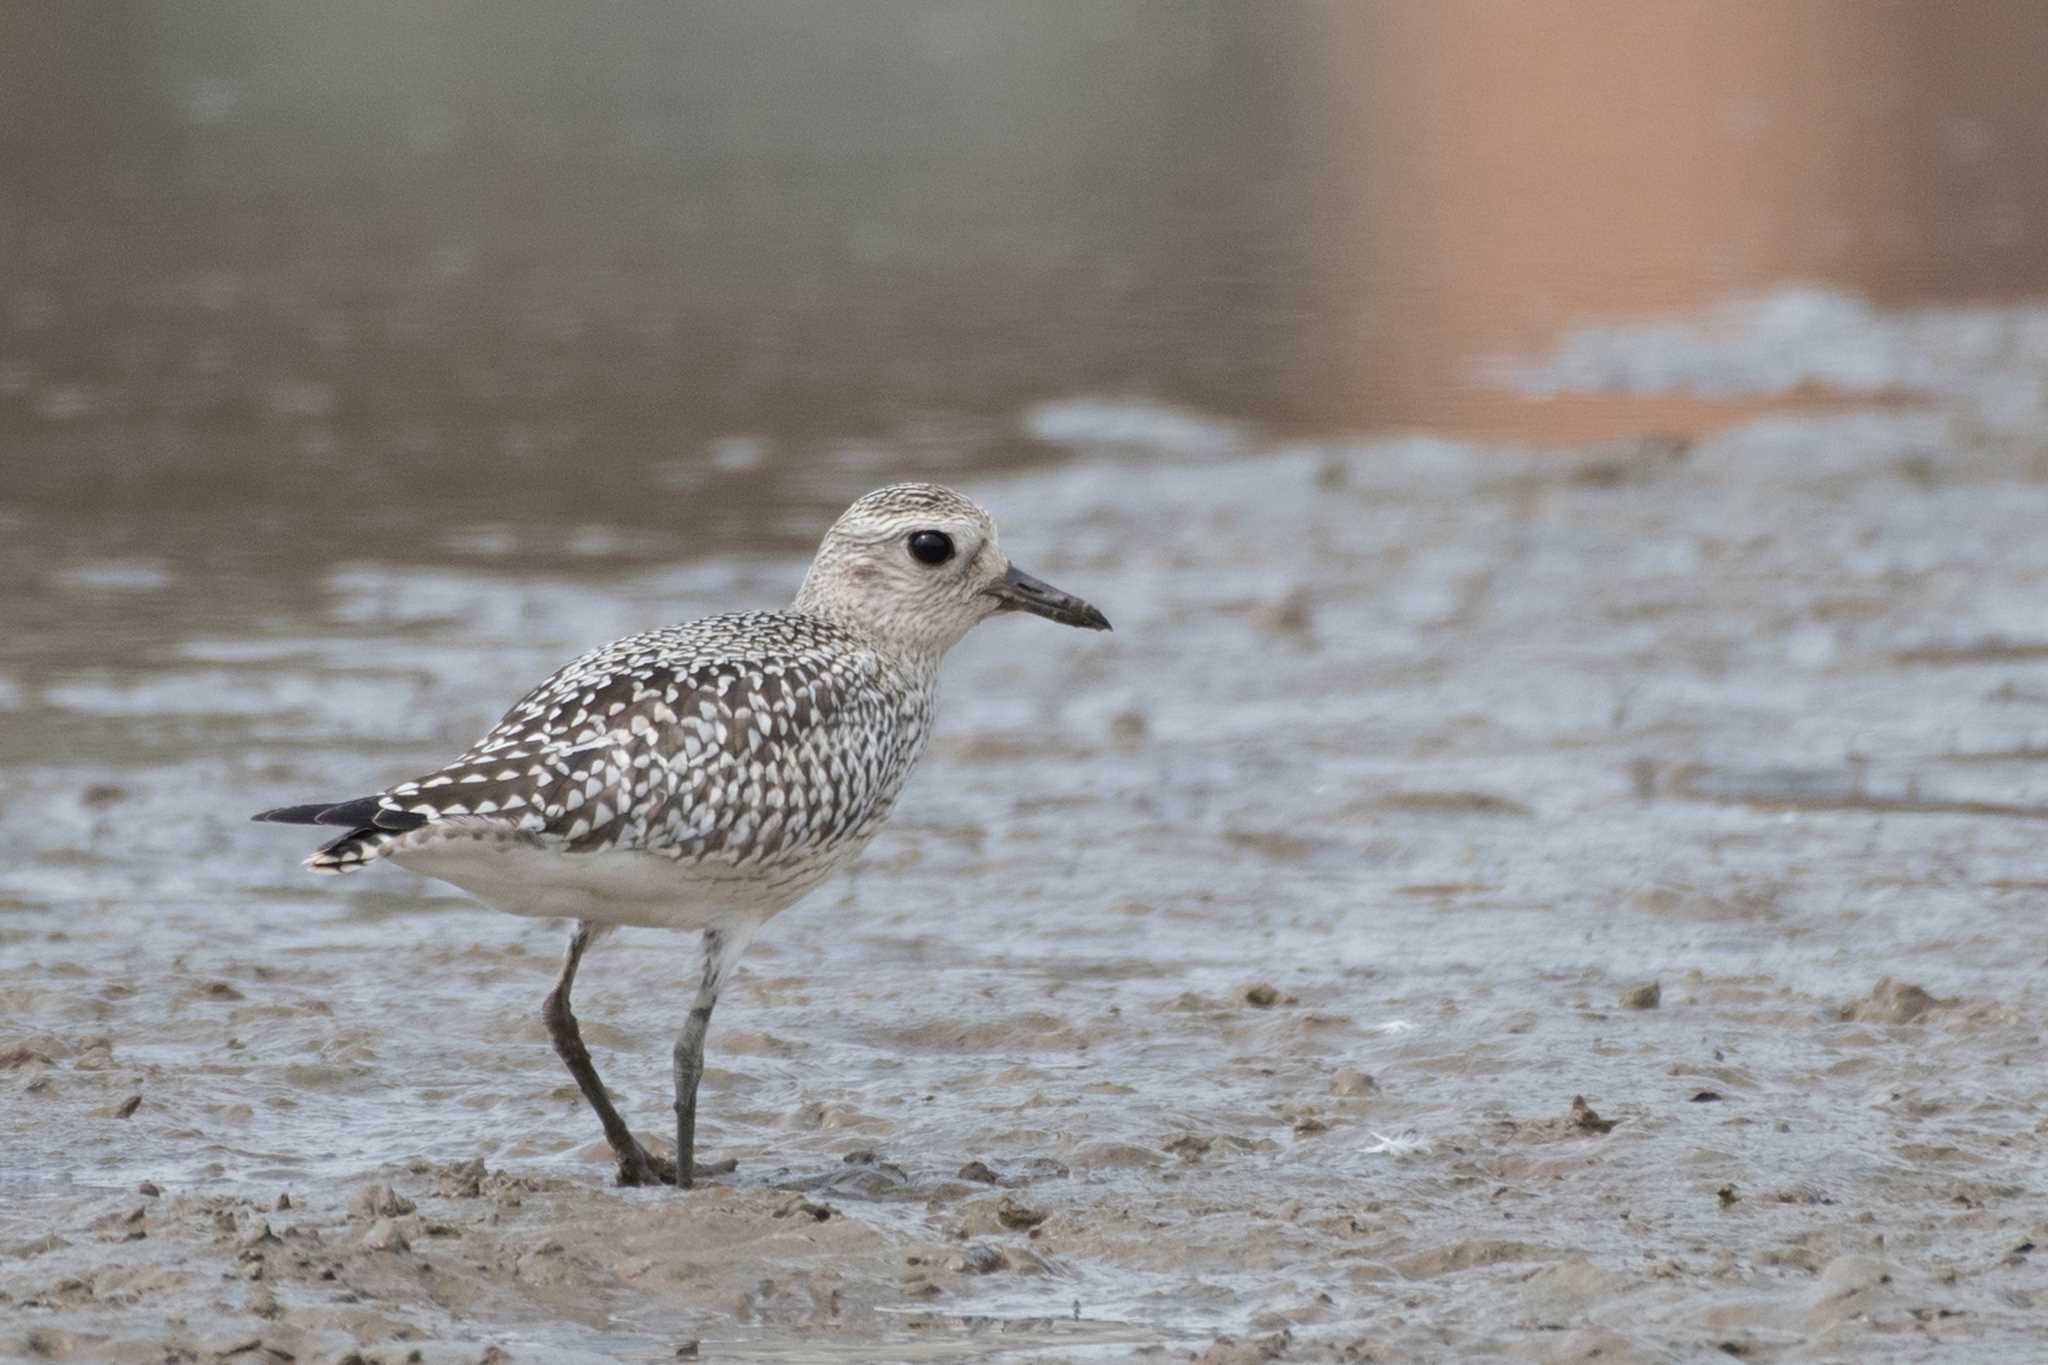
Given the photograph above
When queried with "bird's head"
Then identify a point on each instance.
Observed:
(917, 565)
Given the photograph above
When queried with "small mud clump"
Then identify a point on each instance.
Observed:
(1583, 1119)
(464, 1180)
(1232, 1351)
(979, 1259)
(1350, 1083)
(1018, 1217)
(377, 1201)
(1890, 1002)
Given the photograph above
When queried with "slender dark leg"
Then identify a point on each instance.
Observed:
(721, 949)
(637, 1166)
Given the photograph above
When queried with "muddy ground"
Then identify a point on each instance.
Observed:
(1481, 903)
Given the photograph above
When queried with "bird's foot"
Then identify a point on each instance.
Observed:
(638, 1166)
(642, 1167)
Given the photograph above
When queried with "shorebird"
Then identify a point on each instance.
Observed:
(705, 777)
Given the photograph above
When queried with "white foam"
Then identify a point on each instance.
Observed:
(1404, 1143)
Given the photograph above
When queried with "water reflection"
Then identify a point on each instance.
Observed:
(1502, 172)
(340, 280)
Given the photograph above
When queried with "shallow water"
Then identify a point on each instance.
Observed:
(1263, 945)
(286, 285)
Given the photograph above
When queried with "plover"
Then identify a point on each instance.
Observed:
(706, 776)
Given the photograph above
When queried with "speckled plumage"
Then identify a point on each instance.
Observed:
(774, 742)
(705, 776)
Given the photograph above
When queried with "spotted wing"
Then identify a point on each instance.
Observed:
(737, 760)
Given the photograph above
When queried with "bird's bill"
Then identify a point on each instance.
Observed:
(1019, 591)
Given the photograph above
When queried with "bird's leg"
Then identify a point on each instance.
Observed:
(637, 1166)
(722, 948)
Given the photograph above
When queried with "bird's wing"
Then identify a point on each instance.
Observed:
(737, 759)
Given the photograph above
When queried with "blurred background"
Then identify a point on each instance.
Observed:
(1512, 634)
(346, 280)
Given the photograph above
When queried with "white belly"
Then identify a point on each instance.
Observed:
(614, 887)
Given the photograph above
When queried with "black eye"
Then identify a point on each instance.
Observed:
(931, 547)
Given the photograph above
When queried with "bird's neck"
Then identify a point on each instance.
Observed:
(916, 659)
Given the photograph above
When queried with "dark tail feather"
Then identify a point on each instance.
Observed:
(295, 815)
(351, 851)
(372, 829)
(365, 812)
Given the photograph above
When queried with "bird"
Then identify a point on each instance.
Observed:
(705, 777)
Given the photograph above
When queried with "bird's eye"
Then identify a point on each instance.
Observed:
(931, 547)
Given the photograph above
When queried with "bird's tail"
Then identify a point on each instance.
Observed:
(372, 829)
(351, 852)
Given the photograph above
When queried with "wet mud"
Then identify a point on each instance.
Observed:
(1575, 904)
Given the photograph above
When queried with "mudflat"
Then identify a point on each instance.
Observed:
(1551, 904)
